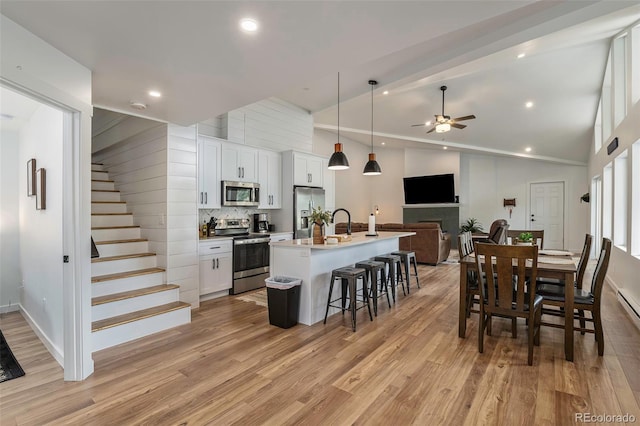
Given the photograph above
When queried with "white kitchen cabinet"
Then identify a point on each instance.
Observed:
(208, 173)
(239, 163)
(307, 170)
(281, 237)
(270, 179)
(216, 266)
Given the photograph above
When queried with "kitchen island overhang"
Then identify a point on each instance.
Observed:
(313, 263)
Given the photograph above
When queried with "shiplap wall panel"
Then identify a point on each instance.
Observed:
(182, 214)
(138, 165)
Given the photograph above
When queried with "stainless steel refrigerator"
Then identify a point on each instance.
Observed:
(305, 199)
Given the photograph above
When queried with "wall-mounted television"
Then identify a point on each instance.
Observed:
(429, 189)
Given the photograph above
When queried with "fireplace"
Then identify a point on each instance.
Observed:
(447, 215)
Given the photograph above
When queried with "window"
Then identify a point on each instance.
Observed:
(620, 185)
(635, 65)
(605, 102)
(596, 216)
(635, 199)
(619, 79)
(607, 200)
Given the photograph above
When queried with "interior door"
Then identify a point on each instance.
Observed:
(547, 212)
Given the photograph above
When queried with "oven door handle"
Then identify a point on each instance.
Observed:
(251, 241)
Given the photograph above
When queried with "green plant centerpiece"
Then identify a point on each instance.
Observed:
(525, 237)
(471, 225)
(319, 218)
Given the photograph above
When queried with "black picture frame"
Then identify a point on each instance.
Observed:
(41, 189)
(31, 177)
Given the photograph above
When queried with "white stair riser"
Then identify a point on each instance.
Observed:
(115, 234)
(108, 310)
(104, 288)
(107, 250)
(122, 265)
(115, 335)
(108, 207)
(99, 175)
(103, 185)
(105, 196)
(111, 220)
(97, 167)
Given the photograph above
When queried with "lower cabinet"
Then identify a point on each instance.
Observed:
(216, 266)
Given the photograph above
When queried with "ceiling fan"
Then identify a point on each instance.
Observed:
(444, 123)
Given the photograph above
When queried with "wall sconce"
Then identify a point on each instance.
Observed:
(509, 203)
(377, 211)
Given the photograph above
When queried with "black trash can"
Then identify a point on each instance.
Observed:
(283, 298)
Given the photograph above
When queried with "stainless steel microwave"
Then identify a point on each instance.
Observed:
(240, 193)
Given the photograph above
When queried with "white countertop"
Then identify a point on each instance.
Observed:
(357, 238)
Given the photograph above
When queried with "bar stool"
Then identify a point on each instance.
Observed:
(373, 268)
(407, 257)
(349, 277)
(395, 272)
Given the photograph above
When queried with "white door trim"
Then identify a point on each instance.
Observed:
(76, 232)
(565, 231)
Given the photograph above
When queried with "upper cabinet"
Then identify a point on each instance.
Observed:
(208, 173)
(307, 170)
(269, 173)
(239, 163)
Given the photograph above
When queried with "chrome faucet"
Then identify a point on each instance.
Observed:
(333, 215)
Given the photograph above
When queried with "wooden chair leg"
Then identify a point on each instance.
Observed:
(514, 328)
(582, 321)
(489, 318)
(597, 322)
(538, 326)
(531, 330)
(481, 326)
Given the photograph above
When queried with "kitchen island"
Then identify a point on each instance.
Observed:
(313, 264)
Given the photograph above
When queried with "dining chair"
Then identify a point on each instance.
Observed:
(465, 248)
(582, 266)
(583, 300)
(497, 233)
(504, 266)
(538, 235)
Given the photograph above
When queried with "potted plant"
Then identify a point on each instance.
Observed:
(471, 225)
(525, 238)
(319, 218)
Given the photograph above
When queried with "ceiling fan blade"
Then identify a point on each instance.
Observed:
(458, 126)
(418, 125)
(466, 117)
(432, 129)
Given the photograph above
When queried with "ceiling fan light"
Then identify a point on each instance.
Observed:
(338, 160)
(443, 127)
(372, 168)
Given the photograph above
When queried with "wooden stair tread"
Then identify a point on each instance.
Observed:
(110, 214)
(101, 180)
(104, 190)
(97, 164)
(119, 275)
(121, 257)
(132, 293)
(131, 240)
(136, 316)
(108, 202)
(115, 227)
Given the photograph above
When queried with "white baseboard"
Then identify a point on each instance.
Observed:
(9, 308)
(627, 301)
(53, 350)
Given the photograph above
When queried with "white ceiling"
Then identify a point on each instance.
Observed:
(193, 52)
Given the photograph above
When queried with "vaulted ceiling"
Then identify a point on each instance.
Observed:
(194, 53)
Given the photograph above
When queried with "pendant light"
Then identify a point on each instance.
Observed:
(338, 160)
(372, 168)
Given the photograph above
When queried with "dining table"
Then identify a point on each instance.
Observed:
(554, 266)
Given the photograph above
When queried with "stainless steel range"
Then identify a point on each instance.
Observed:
(250, 254)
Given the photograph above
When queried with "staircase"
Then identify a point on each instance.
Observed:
(129, 295)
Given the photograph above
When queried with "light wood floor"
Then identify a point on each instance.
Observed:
(408, 366)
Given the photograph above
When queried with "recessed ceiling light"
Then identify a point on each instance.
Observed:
(382, 143)
(521, 55)
(386, 92)
(428, 123)
(249, 25)
(138, 105)
(529, 104)
(154, 93)
(444, 147)
(528, 149)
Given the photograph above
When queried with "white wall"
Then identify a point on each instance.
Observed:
(423, 162)
(623, 267)
(10, 276)
(486, 180)
(182, 214)
(41, 230)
